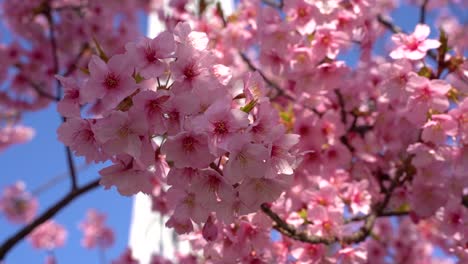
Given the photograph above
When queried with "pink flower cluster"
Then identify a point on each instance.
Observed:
(95, 232)
(18, 134)
(166, 101)
(17, 204)
(48, 236)
(224, 115)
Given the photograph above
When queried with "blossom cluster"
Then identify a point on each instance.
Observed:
(239, 123)
(228, 152)
(95, 232)
(30, 59)
(18, 205)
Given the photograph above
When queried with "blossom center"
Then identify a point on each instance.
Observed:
(188, 144)
(150, 55)
(111, 81)
(220, 128)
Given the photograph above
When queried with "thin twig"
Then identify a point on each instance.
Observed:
(279, 91)
(53, 44)
(41, 92)
(389, 25)
(357, 236)
(7, 245)
(422, 12)
(55, 180)
(383, 214)
(341, 102)
(74, 64)
(71, 165)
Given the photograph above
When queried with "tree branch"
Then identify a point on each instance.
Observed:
(71, 167)
(357, 236)
(291, 231)
(53, 45)
(383, 214)
(385, 21)
(280, 91)
(48, 214)
(74, 64)
(422, 12)
(43, 93)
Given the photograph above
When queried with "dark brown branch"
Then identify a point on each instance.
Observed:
(422, 12)
(48, 214)
(341, 103)
(356, 237)
(291, 231)
(389, 24)
(383, 214)
(53, 44)
(71, 168)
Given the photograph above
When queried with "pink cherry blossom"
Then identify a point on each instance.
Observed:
(18, 134)
(119, 134)
(188, 149)
(426, 95)
(96, 233)
(148, 54)
(69, 106)
(127, 176)
(246, 160)
(79, 135)
(414, 46)
(18, 205)
(48, 236)
(221, 123)
(110, 81)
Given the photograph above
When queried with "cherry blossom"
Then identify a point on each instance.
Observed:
(96, 233)
(414, 46)
(48, 236)
(285, 115)
(18, 205)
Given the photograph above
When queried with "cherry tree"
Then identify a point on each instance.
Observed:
(253, 132)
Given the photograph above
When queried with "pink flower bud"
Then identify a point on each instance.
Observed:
(210, 230)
